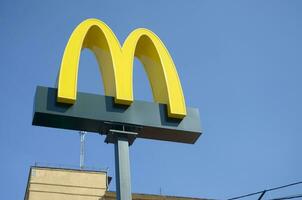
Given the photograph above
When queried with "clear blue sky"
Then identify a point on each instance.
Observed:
(239, 62)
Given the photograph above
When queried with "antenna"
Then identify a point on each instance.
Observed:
(82, 148)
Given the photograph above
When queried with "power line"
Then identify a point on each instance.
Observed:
(263, 191)
(288, 197)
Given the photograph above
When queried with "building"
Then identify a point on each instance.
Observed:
(46, 183)
(49, 183)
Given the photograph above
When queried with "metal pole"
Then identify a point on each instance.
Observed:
(122, 169)
(82, 149)
(122, 140)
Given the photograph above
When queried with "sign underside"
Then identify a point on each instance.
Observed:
(98, 113)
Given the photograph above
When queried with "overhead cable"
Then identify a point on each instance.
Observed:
(288, 197)
(267, 190)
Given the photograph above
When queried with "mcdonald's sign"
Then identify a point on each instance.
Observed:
(167, 118)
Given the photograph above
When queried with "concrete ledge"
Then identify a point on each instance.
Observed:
(135, 196)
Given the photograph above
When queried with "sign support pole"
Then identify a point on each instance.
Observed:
(122, 140)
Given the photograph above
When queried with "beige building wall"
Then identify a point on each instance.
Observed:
(46, 183)
(112, 196)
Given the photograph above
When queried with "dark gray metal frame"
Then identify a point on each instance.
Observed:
(98, 113)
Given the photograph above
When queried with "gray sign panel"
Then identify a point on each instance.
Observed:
(98, 113)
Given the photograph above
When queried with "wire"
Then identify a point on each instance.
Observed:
(267, 190)
(288, 197)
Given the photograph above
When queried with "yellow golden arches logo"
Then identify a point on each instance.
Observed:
(116, 65)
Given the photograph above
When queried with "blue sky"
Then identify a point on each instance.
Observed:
(239, 63)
